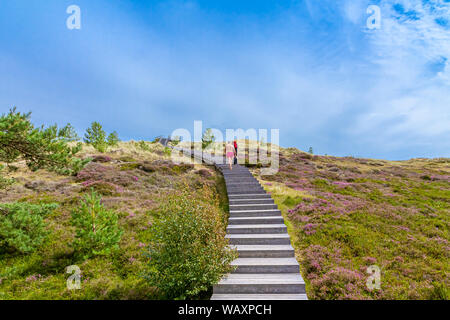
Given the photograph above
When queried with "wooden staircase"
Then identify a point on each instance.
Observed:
(266, 267)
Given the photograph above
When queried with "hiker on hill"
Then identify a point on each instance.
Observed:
(230, 151)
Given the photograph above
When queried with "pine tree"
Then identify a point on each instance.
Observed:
(208, 138)
(113, 139)
(96, 137)
(41, 148)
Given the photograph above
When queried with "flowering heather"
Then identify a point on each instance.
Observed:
(351, 213)
(33, 278)
(133, 184)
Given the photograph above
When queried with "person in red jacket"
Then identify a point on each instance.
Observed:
(236, 151)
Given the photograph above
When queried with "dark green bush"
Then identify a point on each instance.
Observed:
(188, 252)
(22, 226)
(113, 139)
(168, 151)
(96, 137)
(97, 230)
(207, 138)
(41, 148)
(143, 145)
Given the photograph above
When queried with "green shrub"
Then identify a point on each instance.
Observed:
(113, 139)
(188, 251)
(208, 138)
(175, 141)
(96, 137)
(41, 148)
(168, 151)
(143, 145)
(97, 230)
(22, 226)
(440, 291)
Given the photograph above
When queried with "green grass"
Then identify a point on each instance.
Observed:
(42, 274)
(390, 217)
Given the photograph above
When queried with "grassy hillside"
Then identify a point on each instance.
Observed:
(346, 214)
(343, 214)
(134, 179)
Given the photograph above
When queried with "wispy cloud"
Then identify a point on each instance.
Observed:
(310, 68)
(411, 99)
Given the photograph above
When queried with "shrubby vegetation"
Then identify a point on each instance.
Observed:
(46, 148)
(175, 141)
(144, 146)
(132, 184)
(96, 137)
(97, 230)
(22, 226)
(346, 214)
(208, 138)
(113, 139)
(188, 252)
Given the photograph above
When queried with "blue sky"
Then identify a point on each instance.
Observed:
(310, 68)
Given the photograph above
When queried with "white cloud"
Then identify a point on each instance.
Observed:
(411, 103)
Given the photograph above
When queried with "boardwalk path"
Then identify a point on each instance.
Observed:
(266, 267)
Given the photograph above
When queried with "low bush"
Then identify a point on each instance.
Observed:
(143, 145)
(168, 151)
(22, 226)
(113, 139)
(97, 230)
(96, 137)
(188, 252)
